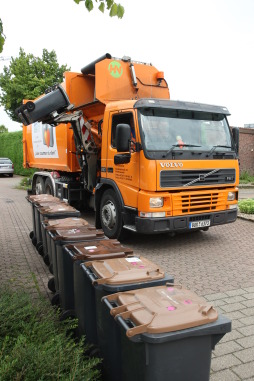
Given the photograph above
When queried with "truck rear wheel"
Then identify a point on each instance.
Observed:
(49, 186)
(110, 214)
(39, 185)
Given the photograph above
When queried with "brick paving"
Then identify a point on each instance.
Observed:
(217, 264)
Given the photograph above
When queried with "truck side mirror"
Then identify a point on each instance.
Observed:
(235, 133)
(123, 137)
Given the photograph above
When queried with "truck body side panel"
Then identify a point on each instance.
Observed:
(48, 147)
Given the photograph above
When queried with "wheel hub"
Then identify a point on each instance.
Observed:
(109, 215)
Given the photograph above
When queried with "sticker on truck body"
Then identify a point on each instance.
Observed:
(44, 141)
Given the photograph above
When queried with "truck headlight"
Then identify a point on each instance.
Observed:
(231, 196)
(156, 202)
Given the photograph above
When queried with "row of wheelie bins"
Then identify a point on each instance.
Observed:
(142, 324)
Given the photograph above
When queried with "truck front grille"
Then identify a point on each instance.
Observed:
(171, 178)
(198, 202)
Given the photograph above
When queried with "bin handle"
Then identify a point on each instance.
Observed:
(103, 280)
(89, 274)
(120, 309)
(206, 309)
(153, 271)
(137, 330)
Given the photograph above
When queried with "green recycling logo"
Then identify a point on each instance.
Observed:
(115, 69)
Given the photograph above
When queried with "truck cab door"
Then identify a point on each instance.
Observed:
(126, 176)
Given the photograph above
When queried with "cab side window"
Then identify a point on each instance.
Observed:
(118, 119)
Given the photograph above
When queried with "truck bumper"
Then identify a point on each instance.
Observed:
(171, 224)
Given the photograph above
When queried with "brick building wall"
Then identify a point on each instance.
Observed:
(246, 150)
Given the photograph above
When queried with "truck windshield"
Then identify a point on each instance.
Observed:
(171, 131)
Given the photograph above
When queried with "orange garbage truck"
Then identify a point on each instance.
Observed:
(111, 139)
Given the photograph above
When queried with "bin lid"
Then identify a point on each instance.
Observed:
(46, 204)
(125, 270)
(102, 249)
(67, 222)
(60, 208)
(42, 198)
(161, 309)
(77, 233)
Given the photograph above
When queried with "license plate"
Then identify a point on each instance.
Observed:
(199, 224)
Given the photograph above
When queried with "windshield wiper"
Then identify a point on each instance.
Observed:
(178, 145)
(214, 148)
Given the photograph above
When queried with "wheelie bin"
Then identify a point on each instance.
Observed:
(73, 255)
(107, 277)
(166, 333)
(32, 199)
(60, 237)
(46, 225)
(52, 211)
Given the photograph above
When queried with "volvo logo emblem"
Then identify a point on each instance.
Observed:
(201, 177)
(171, 165)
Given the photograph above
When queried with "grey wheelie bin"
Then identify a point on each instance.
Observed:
(52, 211)
(107, 277)
(33, 199)
(46, 225)
(73, 255)
(60, 237)
(166, 333)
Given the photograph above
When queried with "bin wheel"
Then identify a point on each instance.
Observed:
(38, 244)
(40, 250)
(67, 314)
(34, 241)
(94, 352)
(51, 284)
(46, 259)
(110, 214)
(55, 301)
(51, 268)
(31, 234)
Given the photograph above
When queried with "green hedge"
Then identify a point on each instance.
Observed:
(246, 206)
(11, 146)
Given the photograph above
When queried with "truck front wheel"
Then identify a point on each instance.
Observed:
(110, 215)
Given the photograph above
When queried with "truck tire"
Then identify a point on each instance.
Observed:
(49, 186)
(39, 185)
(110, 215)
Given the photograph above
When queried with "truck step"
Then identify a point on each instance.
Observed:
(130, 227)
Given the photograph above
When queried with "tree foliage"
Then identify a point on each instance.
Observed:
(27, 77)
(2, 36)
(113, 8)
(3, 128)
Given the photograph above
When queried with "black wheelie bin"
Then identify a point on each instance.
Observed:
(73, 255)
(46, 225)
(52, 211)
(62, 236)
(107, 277)
(33, 199)
(167, 333)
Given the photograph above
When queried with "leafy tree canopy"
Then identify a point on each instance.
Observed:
(2, 36)
(3, 128)
(27, 77)
(113, 8)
